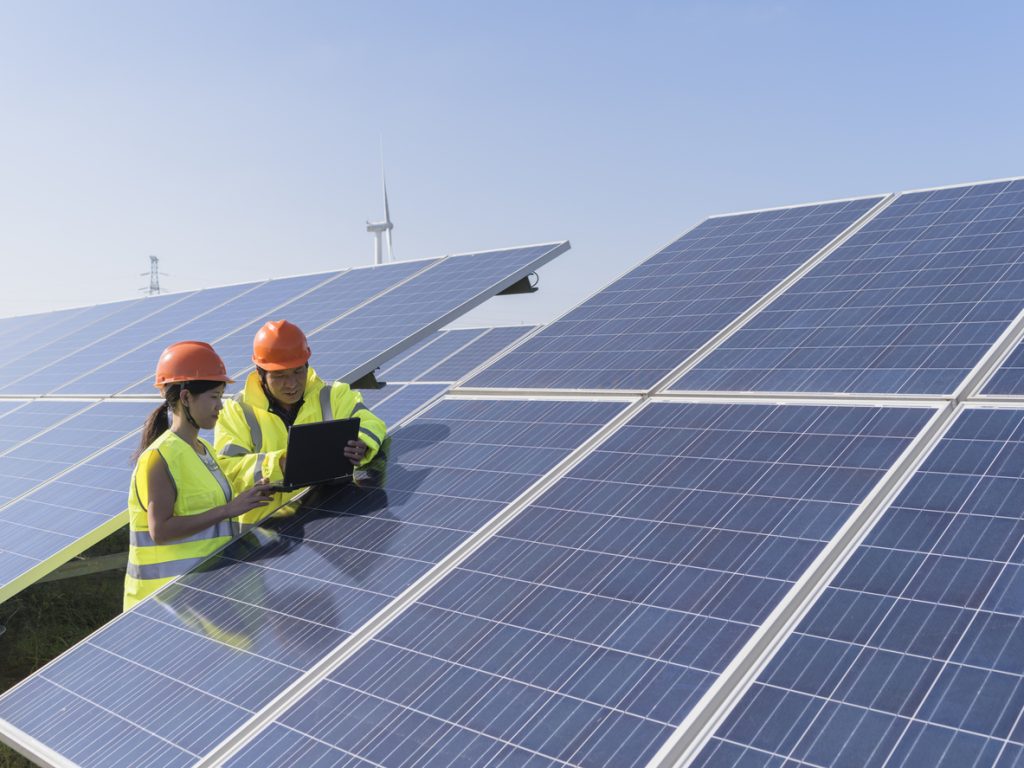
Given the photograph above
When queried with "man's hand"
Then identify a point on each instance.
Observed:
(355, 450)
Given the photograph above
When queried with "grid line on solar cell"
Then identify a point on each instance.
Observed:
(340, 547)
(440, 348)
(476, 354)
(909, 304)
(648, 322)
(617, 687)
(914, 650)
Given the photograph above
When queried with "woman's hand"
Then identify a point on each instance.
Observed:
(249, 500)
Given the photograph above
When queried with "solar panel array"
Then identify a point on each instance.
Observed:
(64, 463)
(752, 505)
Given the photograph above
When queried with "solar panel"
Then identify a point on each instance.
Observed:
(84, 359)
(395, 402)
(33, 417)
(319, 307)
(476, 353)
(912, 655)
(63, 517)
(167, 681)
(133, 372)
(586, 629)
(645, 324)
(442, 345)
(92, 427)
(1009, 378)
(72, 333)
(362, 340)
(909, 304)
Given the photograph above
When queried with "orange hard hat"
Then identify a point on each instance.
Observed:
(190, 361)
(280, 345)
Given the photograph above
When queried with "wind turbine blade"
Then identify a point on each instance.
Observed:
(391, 256)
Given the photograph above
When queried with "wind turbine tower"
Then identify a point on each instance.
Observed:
(380, 228)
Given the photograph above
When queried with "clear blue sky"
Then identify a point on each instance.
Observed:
(239, 140)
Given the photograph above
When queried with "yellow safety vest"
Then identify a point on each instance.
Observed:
(151, 565)
(250, 439)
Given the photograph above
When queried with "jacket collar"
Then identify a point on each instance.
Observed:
(254, 395)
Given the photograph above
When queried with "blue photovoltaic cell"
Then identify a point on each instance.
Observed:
(133, 372)
(51, 520)
(908, 305)
(914, 655)
(77, 330)
(39, 329)
(443, 344)
(584, 632)
(319, 307)
(475, 354)
(359, 342)
(648, 322)
(396, 401)
(31, 418)
(1009, 378)
(96, 426)
(185, 668)
(104, 350)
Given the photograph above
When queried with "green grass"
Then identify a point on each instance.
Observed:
(47, 619)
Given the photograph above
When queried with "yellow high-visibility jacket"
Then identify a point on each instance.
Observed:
(250, 439)
(151, 565)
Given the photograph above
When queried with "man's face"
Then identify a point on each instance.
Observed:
(288, 386)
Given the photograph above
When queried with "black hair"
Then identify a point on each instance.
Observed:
(158, 422)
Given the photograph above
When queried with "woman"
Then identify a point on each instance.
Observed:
(180, 504)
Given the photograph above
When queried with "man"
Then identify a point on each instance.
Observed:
(284, 390)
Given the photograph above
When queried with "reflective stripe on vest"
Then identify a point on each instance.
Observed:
(164, 570)
(255, 431)
(326, 413)
(223, 528)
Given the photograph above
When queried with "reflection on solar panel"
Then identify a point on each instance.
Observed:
(913, 655)
(362, 340)
(592, 623)
(169, 680)
(648, 322)
(909, 304)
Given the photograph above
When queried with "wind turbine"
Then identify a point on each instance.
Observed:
(381, 227)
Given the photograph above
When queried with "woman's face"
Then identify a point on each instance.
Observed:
(204, 407)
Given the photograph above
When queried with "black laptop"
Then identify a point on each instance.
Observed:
(316, 454)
